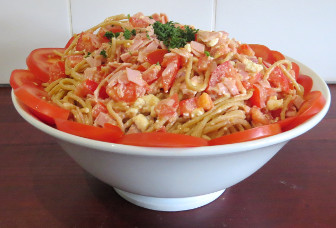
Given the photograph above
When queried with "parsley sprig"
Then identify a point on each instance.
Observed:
(128, 34)
(110, 34)
(172, 36)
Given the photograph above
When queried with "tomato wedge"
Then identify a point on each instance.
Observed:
(264, 52)
(247, 135)
(306, 82)
(296, 69)
(40, 60)
(245, 49)
(161, 139)
(69, 42)
(23, 77)
(35, 99)
(277, 55)
(109, 133)
(156, 56)
(314, 103)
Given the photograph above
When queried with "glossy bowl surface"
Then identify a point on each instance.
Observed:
(173, 179)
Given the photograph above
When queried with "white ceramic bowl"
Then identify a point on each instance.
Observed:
(175, 179)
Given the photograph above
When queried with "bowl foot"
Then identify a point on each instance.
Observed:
(169, 204)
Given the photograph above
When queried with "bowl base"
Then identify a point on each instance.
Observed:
(169, 204)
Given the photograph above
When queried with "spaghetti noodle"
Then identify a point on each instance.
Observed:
(207, 87)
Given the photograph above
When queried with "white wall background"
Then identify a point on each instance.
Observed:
(302, 29)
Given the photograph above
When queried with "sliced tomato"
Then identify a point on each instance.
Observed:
(74, 59)
(225, 69)
(88, 87)
(167, 107)
(260, 95)
(109, 133)
(277, 55)
(306, 82)
(247, 135)
(245, 49)
(152, 73)
(284, 123)
(314, 103)
(40, 60)
(156, 56)
(128, 92)
(115, 28)
(161, 139)
(36, 100)
(248, 84)
(187, 106)
(263, 52)
(69, 42)
(172, 63)
(278, 79)
(88, 41)
(296, 69)
(23, 77)
(57, 71)
(141, 68)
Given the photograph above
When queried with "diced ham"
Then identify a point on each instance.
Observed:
(204, 62)
(89, 72)
(151, 74)
(197, 48)
(160, 17)
(297, 101)
(118, 77)
(241, 70)
(94, 61)
(182, 52)
(207, 36)
(98, 108)
(144, 19)
(149, 48)
(103, 118)
(138, 42)
(135, 76)
(133, 129)
(125, 56)
(230, 84)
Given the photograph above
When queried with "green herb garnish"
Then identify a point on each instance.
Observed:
(174, 37)
(127, 34)
(207, 53)
(103, 53)
(109, 35)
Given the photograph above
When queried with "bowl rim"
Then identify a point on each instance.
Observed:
(319, 84)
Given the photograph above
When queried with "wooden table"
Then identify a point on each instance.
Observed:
(41, 186)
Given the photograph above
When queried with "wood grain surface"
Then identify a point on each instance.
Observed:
(41, 186)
